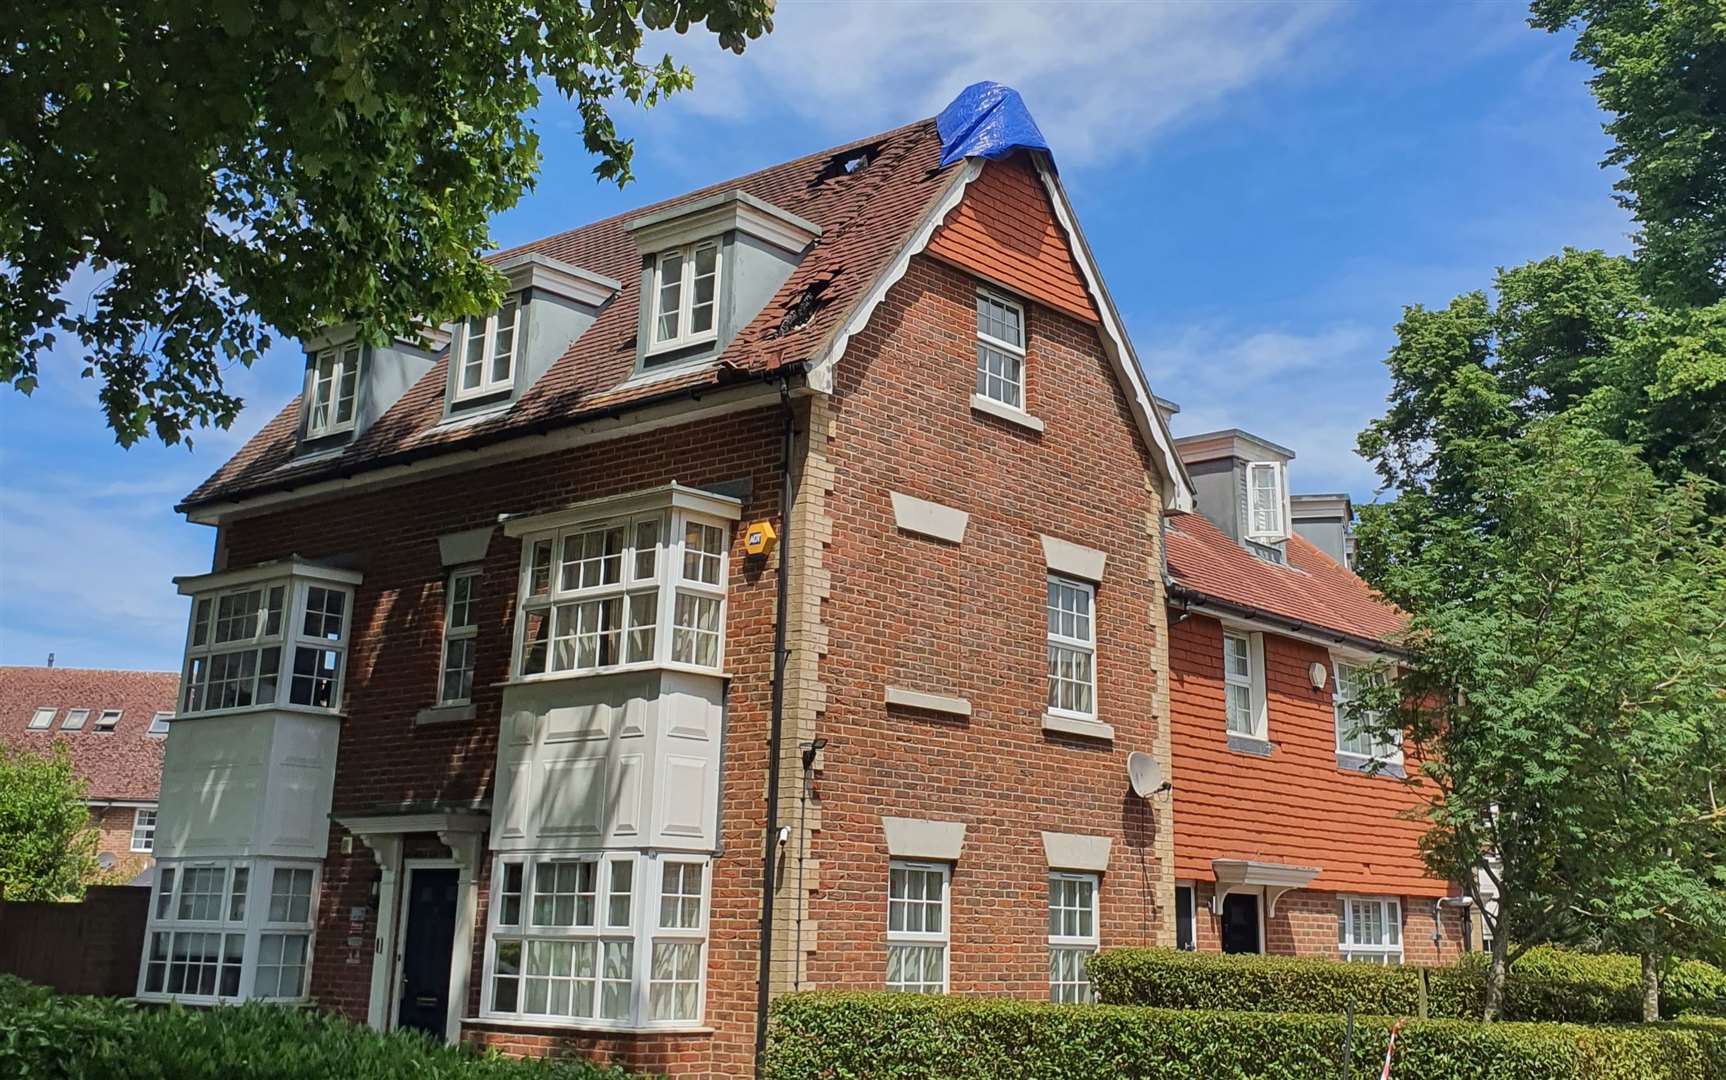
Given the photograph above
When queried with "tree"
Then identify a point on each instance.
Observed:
(1568, 640)
(234, 170)
(47, 840)
(1660, 69)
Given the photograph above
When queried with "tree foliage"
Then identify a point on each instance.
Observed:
(232, 170)
(47, 840)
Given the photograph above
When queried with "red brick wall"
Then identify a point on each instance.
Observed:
(1295, 806)
(114, 823)
(1305, 925)
(968, 620)
(383, 758)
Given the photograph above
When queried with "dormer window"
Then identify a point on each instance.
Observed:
(686, 296)
(1266, 521)
(332, 388)
(487, 352)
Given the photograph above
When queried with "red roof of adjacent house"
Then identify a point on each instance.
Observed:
(866, 215)
(124, 762)
(1312, 588)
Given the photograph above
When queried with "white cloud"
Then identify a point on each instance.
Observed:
(1213, 354)
(1100, 78)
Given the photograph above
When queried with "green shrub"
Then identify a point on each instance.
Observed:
(45, 1037)
(869, 1036)
(1544, 984)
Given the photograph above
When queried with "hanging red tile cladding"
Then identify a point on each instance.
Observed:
(1005, 229)
(1295, 806)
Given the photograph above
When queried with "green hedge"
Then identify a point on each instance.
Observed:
(47, 1037)
(870, 1036)
(1545, 984)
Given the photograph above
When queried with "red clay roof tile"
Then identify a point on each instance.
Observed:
(125, 763)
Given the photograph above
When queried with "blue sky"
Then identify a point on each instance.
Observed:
(1265, 186)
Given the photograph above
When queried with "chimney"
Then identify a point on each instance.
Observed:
(1327, 523)
(1241, 482)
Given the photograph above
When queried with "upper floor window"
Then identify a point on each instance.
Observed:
(1265, 518)
(1369, 930)
(332, 384)
(648, 588)
(109, 720)
(143, 830)
(486, 351)
(1072, 934)
(1239, 682)
(42, 718)
(1072, 648)
(74, 719)
(460, 634)
(917, 927)
(1000, 350)
(685, 296)
(159, 723)
(267, 643)
(1357, 733)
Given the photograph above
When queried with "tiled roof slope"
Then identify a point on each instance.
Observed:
(1311, 589)
(866, 217)
(125, 763)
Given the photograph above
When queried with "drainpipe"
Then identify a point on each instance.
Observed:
(770, 832)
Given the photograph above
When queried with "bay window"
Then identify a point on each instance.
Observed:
(241, 633)
(636, 590)
(487, 351)
(229, 930)
(685, 296)
(600, 939)
(1369, 930)
(1072, 934)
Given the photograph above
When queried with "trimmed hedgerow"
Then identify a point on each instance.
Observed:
(857, 1036)
(48, 1037)
(1545, 984)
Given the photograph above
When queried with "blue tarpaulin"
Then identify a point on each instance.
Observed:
(987, 120)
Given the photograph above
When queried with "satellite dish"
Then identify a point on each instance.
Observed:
(1144, 773)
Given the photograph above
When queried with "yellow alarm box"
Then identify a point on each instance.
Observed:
(759, 539)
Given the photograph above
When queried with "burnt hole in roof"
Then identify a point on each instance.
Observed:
(847, 163)
(807, 303)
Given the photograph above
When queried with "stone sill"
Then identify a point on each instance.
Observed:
(994, 408)
(1067, 725)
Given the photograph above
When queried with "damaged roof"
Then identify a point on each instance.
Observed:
(1312, 590)
(867, 213)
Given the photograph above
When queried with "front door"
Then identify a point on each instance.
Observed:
(427, 942)
(1241, 923)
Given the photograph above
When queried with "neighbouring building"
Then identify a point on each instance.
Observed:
(1291, 834)
(768, 596)
(114, 724)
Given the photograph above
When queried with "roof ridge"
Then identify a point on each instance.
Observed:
(722, 185)
(90, 670)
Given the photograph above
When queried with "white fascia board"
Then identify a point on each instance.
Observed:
(646, 418)
(1316, 635)
(293, 565)
(820, 376)
(720, 213)
(673, 495)
(531, 269)
(1177, 487)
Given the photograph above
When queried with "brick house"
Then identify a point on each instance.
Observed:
(1291, 835)
(768, 596)
(114, 724)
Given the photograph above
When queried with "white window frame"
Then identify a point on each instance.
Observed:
(1349, 911)
(466, 634)
(1067, 946)
(1009, 350)
(1279, 506)
(160, 722)
(1253, 683)
(640, 931)
(560, 600)
(332, 383)
(75, 720)
(254, 924)
(43, 718)
(1083, 646)
(143, 831)
(685, 296)
(918, 939)
(108, 719)
(491, 327)
(1358, 667)
(268, 689)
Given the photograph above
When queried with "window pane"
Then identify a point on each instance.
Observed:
(703, 550)
(670, 296)
(695, 630)
(706, 289)
(503, 343)
(646, 548)
(680, 896)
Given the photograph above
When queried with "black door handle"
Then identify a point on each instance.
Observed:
(425, 1002)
